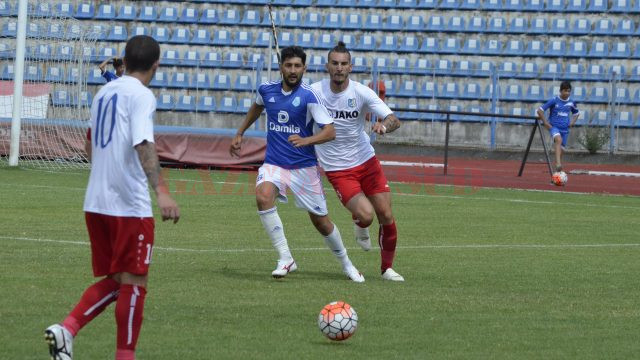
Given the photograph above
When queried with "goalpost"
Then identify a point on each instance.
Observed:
(44, 102)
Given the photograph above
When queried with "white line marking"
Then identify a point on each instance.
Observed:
(604, 173)
(415, 164)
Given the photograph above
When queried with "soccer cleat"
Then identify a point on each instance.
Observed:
(354, 274)
(283, 268)
(558, 168)
(60, 342)
(390, 274)
(362, 237)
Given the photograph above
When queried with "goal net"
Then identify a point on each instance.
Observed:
(55, 101)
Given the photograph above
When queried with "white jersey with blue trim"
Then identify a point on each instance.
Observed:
(289, 113)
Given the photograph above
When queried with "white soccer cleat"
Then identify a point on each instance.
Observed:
(354, 274)
(283, 268)
(60, 342)
(391, 275)
(362, 237)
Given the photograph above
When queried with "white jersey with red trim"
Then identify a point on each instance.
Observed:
(348, 108)
(121, 118)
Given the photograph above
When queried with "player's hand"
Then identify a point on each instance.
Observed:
(236, 145)
(298, 141)
(379, 129)
(168, 207)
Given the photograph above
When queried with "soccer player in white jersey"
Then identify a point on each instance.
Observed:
(350, 162)
(117, 204)
(293, 109)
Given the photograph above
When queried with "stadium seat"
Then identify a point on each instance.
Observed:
(326, 3)
(185, 103)
(462, 68)
(471, 46)
(622, 96)
(414, 23)
(635, 74)
(513, 5)
(535, 93)
(393, 23)
(254, 60)
(450, 4)
(462, 4)
(534, 6)
(104, 54)
(206, 104)
(471, 91)
(32, 73)
(373, 22)
(5, 8)
(600, 118)
(559, 27)
(367, 43)
(179, 80)
(95, 77)
(84, 11)
(316, 63)
(8, 72)
(599, 49)
(165, 102)
(507, 69)
(244, 104)
(233, 60)
(577, 49)
(556, 49)
(56, 74)
(117, 33)
(635, 100)
(61, 98)
(484, 69)
(148, 13)
(73, 75)
(552, 71)
(513, 48)
(598, 6)
(391, 89)
(168, 14)
(386, 4)
(160, 33)
(555, 6)
(513, 92)
(43, 52)
(519, 25)
(333, 21)
(63, 9)
(230, 17)
(201, 37)
(274, 64)
(285, 39)
(492, 47)
(599, 94)
(188, 16)
(221, 82)
(228, 104)
(429, 45)
(624, 119)
(139, 30)
(488, 92)
(492, 5)
(353, 21)
(327, 41)
(578, 93)
(443, 67)
(313, 20)
(106, 12)
(359, 64)
(126, 13)
(617, 71)
(275, 15)
(388, 43)
(180, 35)
(409, 44)
(603, 27)
(33, 30)
(534, 48)
(456, 24)
(170, 57)
(74, 32)
(54, 31)
(636, 53)
(576, 6)
(595, 72)
(477, 24)
(221, 38)
(243, 83)
(243, 38)
(620, 50)
(407, 4)
(581, 26)
(400, 65)
(307, 40)
(407, 89)
(381, 64)
(252, 18)
(423, 67)
(574, 72)
(538, 26)
(64, 52)
(450, 90)
(435, 23)
(209, 16)
(497, 25)
(85, 99)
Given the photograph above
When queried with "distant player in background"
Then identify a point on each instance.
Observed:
(117, 204)
(290, 162)
(118, 66)
(350, 162)
(563, 114)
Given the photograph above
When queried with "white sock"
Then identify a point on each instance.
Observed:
(334, 242)
(361, 233)
(273, 225)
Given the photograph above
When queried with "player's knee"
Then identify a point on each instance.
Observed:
(366, 219)
(264, 200)
(385, 216)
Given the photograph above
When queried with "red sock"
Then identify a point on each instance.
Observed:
(129, 310)
(387, 241)
(94, 300)
(357, 221)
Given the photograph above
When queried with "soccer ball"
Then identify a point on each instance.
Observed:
(338, 320)
(559, 178)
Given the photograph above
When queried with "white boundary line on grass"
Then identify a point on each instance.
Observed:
(415, 247)
(604, 173)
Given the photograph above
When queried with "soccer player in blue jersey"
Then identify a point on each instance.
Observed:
(118, 66)
(293, 111)
(563, 114)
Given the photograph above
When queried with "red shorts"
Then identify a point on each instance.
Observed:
(120, 244)
(366, 177)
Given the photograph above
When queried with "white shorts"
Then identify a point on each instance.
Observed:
(305, 184)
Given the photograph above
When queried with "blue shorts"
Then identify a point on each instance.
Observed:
(563, 133)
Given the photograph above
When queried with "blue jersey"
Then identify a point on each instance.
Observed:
(291, 113)
(108, 75)
(560, 111)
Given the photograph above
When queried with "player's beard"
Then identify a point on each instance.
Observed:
(293, 84)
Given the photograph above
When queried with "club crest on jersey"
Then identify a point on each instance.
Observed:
(296, 101)
(351, 103)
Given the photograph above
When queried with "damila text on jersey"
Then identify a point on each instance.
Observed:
(291, 129)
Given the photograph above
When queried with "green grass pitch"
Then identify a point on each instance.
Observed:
(490, 274)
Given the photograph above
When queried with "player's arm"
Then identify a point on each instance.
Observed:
(151, 165)
(252, 115)
(574, 117)
(326, 133)
(103, 65)
(389, 124)
(87, 144)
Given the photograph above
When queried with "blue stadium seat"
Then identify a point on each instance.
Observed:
(519, 25)
(61, 98)
(635, 100)
(557, 48)
(393, 23)
(312, 20)
(488, 92)
(95, 77)
(206, 104)
(254, 60)
(471, 91)
(33, 30)
(285, 39)
(514, 5)
(106, 12)
(414, 23)
(429, 45)
(84, 11)
(579, 93)
(534, 48)
(598, 6)
(388, 43)
(513, 92)
(8, 72)
(228, 104)
(139, 30)
(252, 18)
(408, 88)
(559, 26)
(535, 93)
(423, 67)
(620, 50)
(233, 60)
(443, 67)
(32, 73)
(462, 4)
(263, 39)
(507, 69)
(201, 37)
(64, 9)
(635, 74)
(450, 90)
(477, 24)
(54, 31)
(625, 27)
(327, 41)
(381, 64)
(160, 33)
(534, 5)
(73, 75)
(221, 38)
(492, 5)
(170, 57)
(244, 104)
(243, 38)
(552, 71)
(191, 58)
(513, 48)
(56, 74)
(5, 8)
(179, 80)
(583, 118)
(373, 22)
(538, 25)
(577, 6)
(353, 21)
(624, 119)
(230, 17)
(497, 25)
(599, 94)
(386, 4)
(243, 83)
(427, 4)
(148, 13)
(636, 53)
(622, 96)
(621, 6)
(435, 23)
(349, 40)
(168, 14)
(599, 49)
(595, 72)
(577, 48)
(600, 118)
(126, 13)
(221, 82)
(316, 63)
(326, 3)
(333, 21)
(98, 32)
(492, 47)
(581, 26)
(209, 16)
(307, 40)
(409, 44)
(401, 65)
(462, 68)
(85, 99)
(471, 46)
(483, 69)
(367, 43)
(359, 64)
(617, 71)
(185, 103)
(64, 52)
(189, 15)
(117, 33)
(555, 6)
(391, 88)
(603, 27)
(292, 19)
(277, 2)
(407, 4)
(43, 52)
(180, 35)
(574, 72)
(450, 46)
(165, 102)
(456, 24)
(103, 54)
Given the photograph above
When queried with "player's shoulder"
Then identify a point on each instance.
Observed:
(270, 85)
(311, 91)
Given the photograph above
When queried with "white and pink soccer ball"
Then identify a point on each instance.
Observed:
(559, 178)
(338, 320)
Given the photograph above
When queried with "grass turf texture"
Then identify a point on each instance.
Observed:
(489, 274)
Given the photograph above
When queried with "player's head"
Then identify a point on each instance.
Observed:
(565, 90)
(292, 67)
(142, 54)
(339, 64)
(118, 65)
